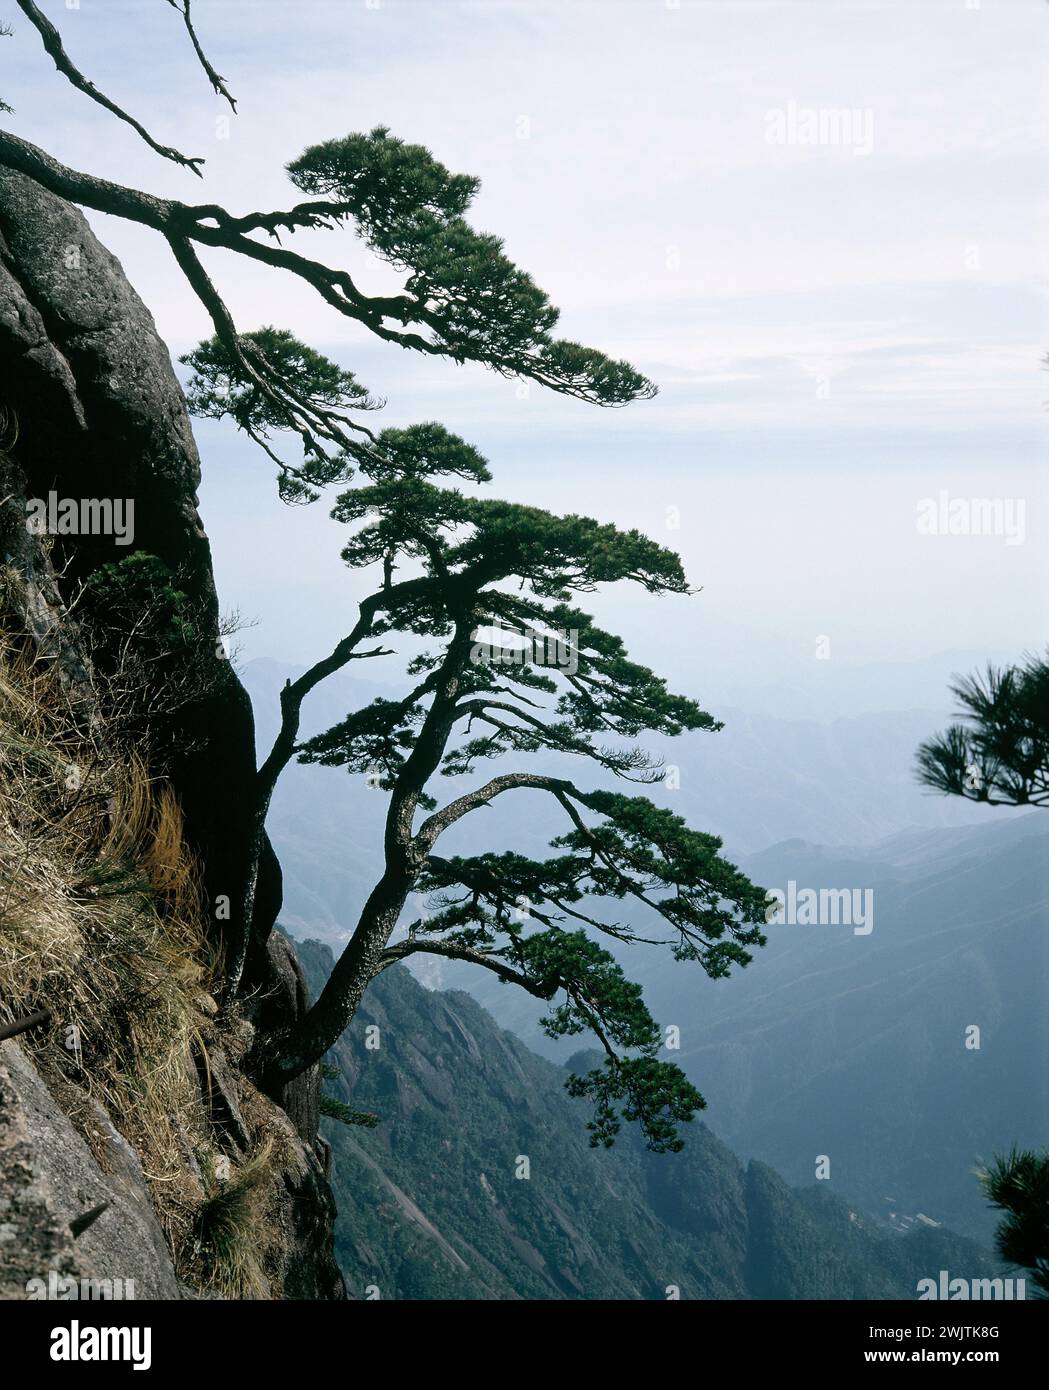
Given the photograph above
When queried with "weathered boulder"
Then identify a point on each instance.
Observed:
(49, 1177)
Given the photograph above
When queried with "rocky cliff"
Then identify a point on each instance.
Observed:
(119, 826)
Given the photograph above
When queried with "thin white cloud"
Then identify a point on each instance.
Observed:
(624, 157)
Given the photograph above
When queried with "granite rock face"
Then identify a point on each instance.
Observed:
(90, 408)
(49, 1177)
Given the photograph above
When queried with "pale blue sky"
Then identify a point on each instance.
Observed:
(836, 334)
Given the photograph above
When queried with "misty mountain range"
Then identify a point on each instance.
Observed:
(855, 1047)
(759, 781)
(478, 1183)
(830, 1043)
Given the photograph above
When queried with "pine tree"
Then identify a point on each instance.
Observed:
(1018, 1184)
(999, 754)
(472, 564)
(514, 669)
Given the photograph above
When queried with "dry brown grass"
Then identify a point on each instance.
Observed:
(101, 922)
(229, 1253)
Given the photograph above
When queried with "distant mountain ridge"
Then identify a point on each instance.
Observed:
(432, 1203)
(827, 1042)
(857, 1046)
(760, 780)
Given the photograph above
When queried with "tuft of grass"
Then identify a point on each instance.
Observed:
(226, 1229)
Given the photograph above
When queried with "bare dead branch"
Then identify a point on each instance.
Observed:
(52, 41)
(23, 1025)
(218, 82)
